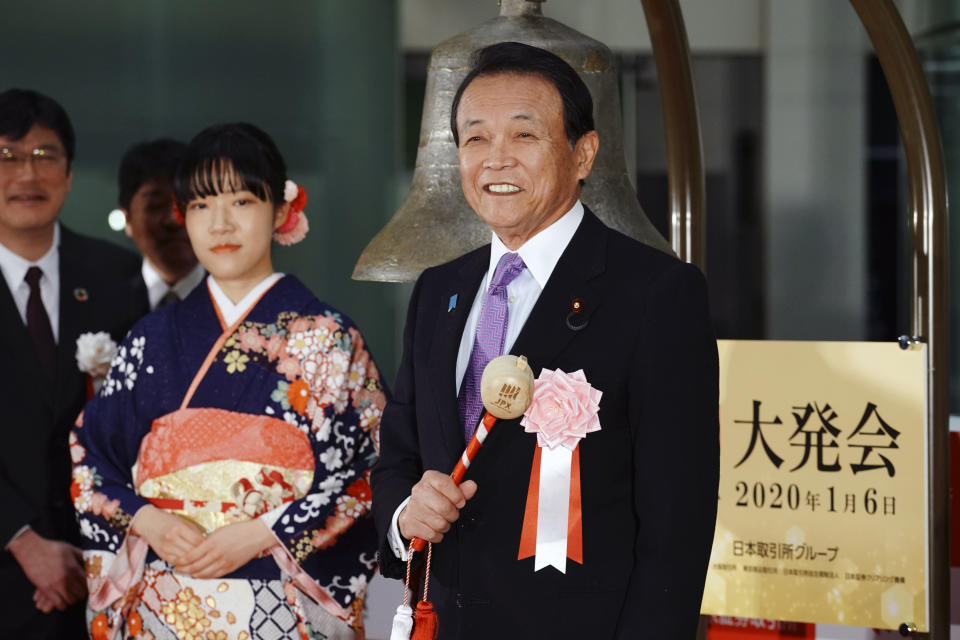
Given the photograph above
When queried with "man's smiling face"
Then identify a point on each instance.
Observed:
(517, 168)
(34, 181)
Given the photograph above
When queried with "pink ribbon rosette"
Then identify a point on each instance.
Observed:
(564, 410)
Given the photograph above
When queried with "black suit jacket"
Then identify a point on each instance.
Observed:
(98, 292)
(648, 477)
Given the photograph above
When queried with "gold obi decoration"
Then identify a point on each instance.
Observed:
(217, 467)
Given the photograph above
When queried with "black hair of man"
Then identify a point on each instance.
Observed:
(153, 160)
(23, 109)
(515, 58)
(229, 158)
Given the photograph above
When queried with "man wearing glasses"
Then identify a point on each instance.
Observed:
(56, 285)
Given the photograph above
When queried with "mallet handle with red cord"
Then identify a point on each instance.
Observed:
(463, 463)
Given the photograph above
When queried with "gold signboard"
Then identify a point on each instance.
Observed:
(823, 481)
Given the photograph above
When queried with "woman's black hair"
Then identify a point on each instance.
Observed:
(227, 158)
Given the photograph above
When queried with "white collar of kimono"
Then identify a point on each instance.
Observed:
(231, 312)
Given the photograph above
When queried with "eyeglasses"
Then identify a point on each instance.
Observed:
(44, 159)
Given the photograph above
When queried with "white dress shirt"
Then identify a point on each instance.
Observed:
(540, 255)
(14, 268)
(231, 312)
(157, 287)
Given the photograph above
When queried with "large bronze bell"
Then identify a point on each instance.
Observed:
(434, 224)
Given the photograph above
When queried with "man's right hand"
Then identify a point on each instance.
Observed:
(170, 536)
(55, 568)
(435, 504)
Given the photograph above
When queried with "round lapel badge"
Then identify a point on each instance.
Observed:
(575, 321)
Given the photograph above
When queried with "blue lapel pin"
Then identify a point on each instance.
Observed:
(452, 304)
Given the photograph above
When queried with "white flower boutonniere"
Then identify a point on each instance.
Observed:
(95, 351)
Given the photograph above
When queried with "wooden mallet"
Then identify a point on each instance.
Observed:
(506, 389)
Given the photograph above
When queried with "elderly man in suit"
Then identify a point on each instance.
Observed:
(56, 285)
(559, 287)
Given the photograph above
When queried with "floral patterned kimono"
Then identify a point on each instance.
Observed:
(275, 417)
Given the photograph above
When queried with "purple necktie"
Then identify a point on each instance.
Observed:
(38, 323)
(488, 344)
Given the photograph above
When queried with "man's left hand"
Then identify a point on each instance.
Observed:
(43, 602)
(54, 567)
(226, 549)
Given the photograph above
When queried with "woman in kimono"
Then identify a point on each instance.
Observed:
(221, 475)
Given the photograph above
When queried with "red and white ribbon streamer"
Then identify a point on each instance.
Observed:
(564, 410)
(552, 521)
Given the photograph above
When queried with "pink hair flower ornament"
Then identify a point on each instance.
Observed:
(295, 227)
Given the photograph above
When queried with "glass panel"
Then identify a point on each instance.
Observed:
(320, 77)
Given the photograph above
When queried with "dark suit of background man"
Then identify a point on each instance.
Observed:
(145, 185)
(523, 123)
(56, 285)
